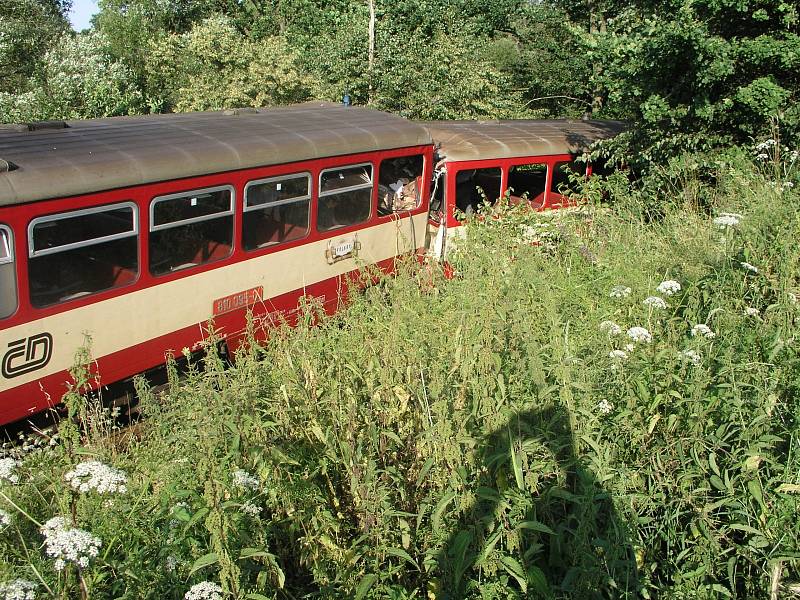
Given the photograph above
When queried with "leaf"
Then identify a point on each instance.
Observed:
(197, 516)
(436, 517)
(254, 553)
(754, 487)
(514, 569)
(718, 483)
(400, 553)
(366, 583)
(204, 561)
(712, 461)
(425, 468)
(789, 488)
(515, 463)
(536, 526)
(538, 582)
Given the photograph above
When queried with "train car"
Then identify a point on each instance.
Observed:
(129, 234)
(483, 160)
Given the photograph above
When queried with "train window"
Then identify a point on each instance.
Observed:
(8, 275)
(190, 229)
(561, 172)
(345, 196)
(527, 182)
(276, 210)
(400, 184)
(82, 252)
(474, 186)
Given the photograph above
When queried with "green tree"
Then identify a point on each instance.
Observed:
(78, 79)
(28, 28)
(215, 66)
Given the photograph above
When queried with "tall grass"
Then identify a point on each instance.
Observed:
(473, 437)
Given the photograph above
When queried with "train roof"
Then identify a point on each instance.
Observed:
(478, 140)
(79, 157)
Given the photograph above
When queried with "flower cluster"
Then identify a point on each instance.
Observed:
(655, 302)
(668, 287)
(7, 466)
(618, 354)
(640, 334)
(249, 508)
(245, 480)
(703, 330)
(205, 590)
(751, 312)
(727, 220)
(5, 519)
(604, 406)
(692, 357)
(620, 291)
(18, 589)
(69, 545)
(610, 328)
(94, 475)
(749, 267)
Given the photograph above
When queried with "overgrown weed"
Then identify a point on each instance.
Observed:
(506, 433)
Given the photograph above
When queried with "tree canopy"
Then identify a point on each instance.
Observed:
(690, 75)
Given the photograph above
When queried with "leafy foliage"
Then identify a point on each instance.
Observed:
(473, 437)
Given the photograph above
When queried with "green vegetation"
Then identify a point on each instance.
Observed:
(489, 436)
(691, 75)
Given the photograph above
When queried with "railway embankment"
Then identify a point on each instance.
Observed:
(601, 402)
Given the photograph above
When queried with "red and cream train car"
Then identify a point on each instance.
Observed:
(528, 159)
(135, 231)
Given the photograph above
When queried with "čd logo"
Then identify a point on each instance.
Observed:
(27, 354)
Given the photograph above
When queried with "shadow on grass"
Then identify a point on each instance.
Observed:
(563, 541)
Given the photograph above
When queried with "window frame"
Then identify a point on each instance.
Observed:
(423, 179)
(172, 224)
(33, 253)
(8, 242)
(350, 188)
(307, 198)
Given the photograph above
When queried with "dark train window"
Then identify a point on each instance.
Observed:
(400, 184)
(190, 229)
(561, 183)
(476, 186)
(82, 252)
(276, 210)
(528, 182)
(8, 275)
(345, 196)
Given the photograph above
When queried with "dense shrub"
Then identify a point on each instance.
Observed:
(506, 433)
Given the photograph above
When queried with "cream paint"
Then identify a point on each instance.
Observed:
(142, 315)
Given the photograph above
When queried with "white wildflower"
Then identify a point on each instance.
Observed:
(610, 328)
(692, 356)
(604, 406)
(205, 590)
(18, 589)
(94, 475)
(703, 330)
(243, 479)
(7, 466)
(618, 354)
(655, 302)
(629, 347)
(171, 563)
(787, 185)
(791, 297)
(668, 287)
(727, 220)
(762, 156)
(751, 312)
(620, 291)
(749, 267)
(5, 519)
(251, 509)
(640, 334)
(69, 545)
(765, 145)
